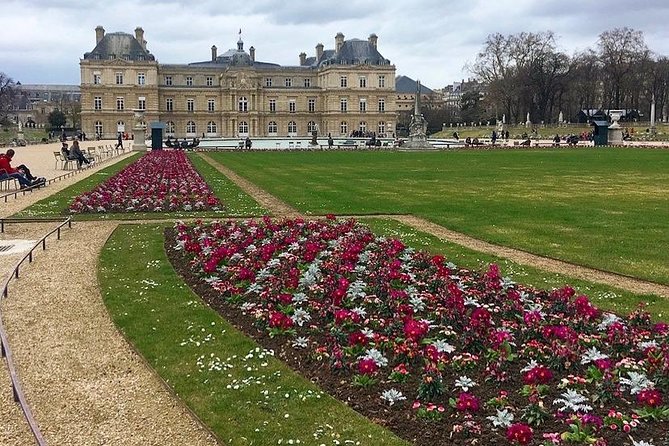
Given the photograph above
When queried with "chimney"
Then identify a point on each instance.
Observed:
(339, 41)
(373, 39)
(303, 58)
(319, 52)
(213, 53)
(99, 34)
(252, 53)
(139, 35)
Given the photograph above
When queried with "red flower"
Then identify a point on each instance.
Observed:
(415, 330)
(367, 367)
(649, 397)
(467, 402)
(519, 433)
(357, 338)
(538, 375)
(280, 320)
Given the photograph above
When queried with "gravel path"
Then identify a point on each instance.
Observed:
(84, 383)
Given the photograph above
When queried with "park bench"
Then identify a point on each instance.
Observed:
(6, 181)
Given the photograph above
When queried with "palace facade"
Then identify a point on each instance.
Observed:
(337, 91)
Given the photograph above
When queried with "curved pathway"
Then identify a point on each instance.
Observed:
(281, 209)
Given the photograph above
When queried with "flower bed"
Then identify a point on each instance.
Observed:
(160, 181)
(440, 355)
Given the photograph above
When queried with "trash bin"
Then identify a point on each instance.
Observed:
(600, 132)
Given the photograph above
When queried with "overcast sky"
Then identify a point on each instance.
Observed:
(431, 40)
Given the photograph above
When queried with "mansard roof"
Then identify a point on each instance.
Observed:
(119, 45)
(404, 84)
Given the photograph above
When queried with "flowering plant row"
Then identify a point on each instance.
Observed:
(463, 356)
(160, 181)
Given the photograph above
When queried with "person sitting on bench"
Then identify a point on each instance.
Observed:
(21, 173)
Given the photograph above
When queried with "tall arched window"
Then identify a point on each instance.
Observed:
(120, 126)
(272, 128)
(99, 130)
(292, 128)
(311, 127)
(243, 128)
(169, 128)
(211, 127)
(243, 104)
(363, 126)
(190, 127)
(343, 128)
(382, 129)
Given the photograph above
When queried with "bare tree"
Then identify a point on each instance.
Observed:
(621, 50)
(7, 91)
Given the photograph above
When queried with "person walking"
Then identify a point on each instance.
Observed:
(119, 142)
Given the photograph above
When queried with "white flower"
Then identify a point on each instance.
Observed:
(376, 356)
(641, 443)
(443, 346)
(356, 289)
(392, 396)
(300, 342)
(574, 401)
(532, 364)
(647, 344)
(367, 332)
(417, 303)
(471, 302)
(300, 317)
(299, 298)
(637, 382)
(592, 355)
(607, 320)
(359, 311)
(464, 383)
(503, 418)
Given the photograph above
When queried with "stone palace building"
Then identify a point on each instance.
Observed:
(337, 91)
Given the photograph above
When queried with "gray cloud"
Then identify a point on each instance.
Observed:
(43, 40)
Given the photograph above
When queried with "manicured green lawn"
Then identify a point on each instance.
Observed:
(603, 208)
(244, 395)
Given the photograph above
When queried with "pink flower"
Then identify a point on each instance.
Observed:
(367, 367)
(538, 375)
(415, 330)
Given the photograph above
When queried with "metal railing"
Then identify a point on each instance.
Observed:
(17, 389)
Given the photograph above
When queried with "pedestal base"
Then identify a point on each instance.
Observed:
(139, 143)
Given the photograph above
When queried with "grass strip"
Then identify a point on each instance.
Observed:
(244, 395)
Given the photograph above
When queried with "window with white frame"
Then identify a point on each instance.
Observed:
(272, 105)
(343, 128)
(307, 82)
(120, 105)
(382, 104)
(189, 81)
(268, 82)
(292, 106)
(190, 104)
(141, 79)
(311, 127)
(292, 128)
(382, 81)
(169, 104)
(119, 78)
(168, 81)
(98, 127)
(243, 104)
(190, 127)
(362, 126)
(272, 128)
(343, 104)
(209, 81)
(343, 81)
(362, 81)
(243, 128)
(363, 105)
(288, 82)
(141, 103)
(211, 105)
(97, 103)
(382, 128)
(211, 127)
(169, 127)
(97, 78)
(311, 104)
